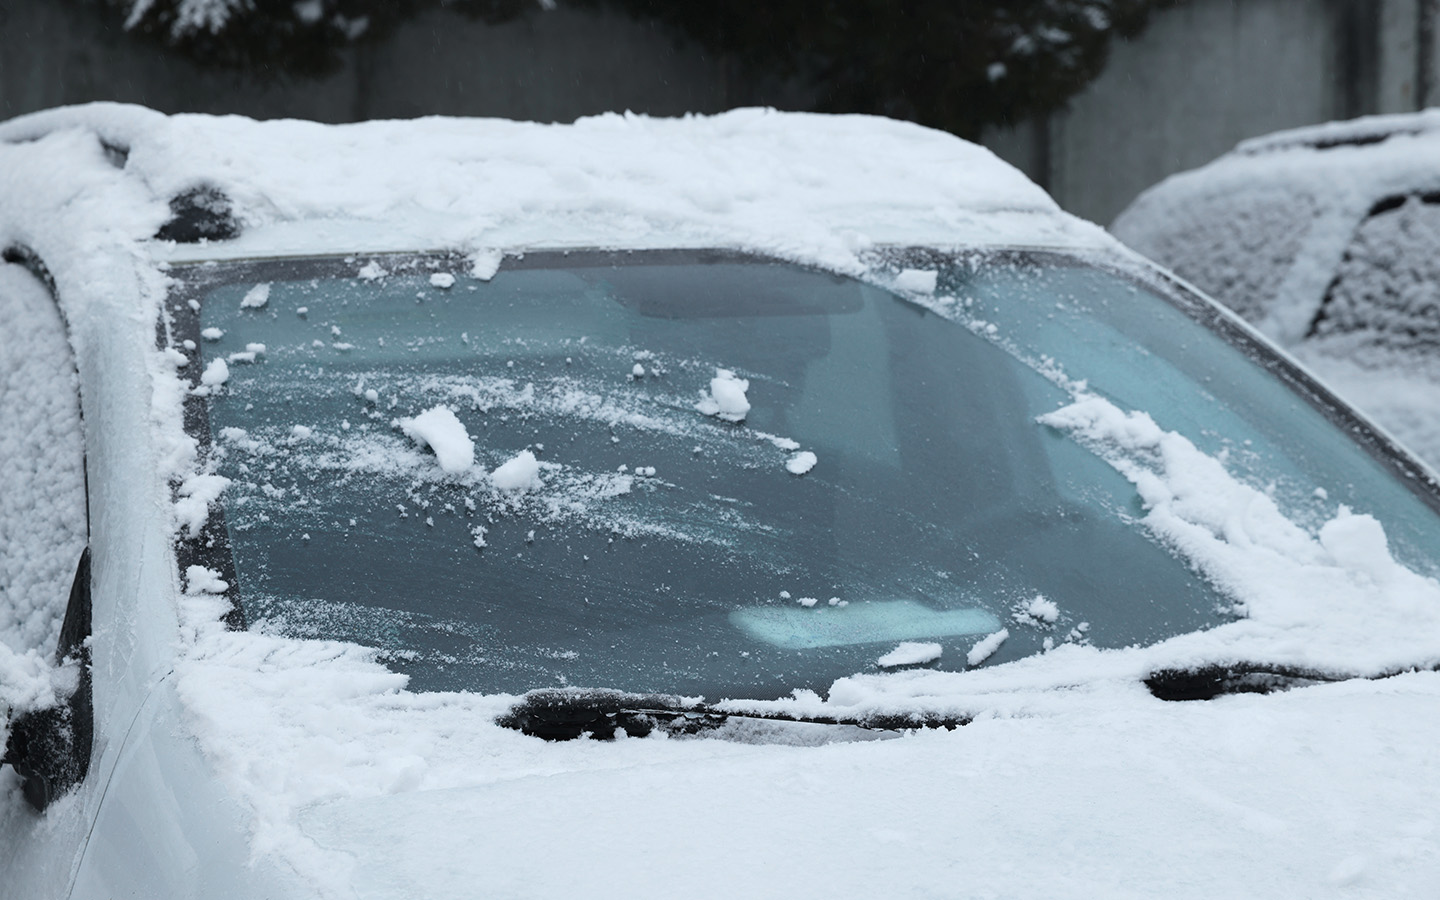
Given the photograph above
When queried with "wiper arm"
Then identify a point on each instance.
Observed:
(1209, 682)
(562, 714)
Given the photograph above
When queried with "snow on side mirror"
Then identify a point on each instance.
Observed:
(49, 743)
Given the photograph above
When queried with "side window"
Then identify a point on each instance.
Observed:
(44, 595)
(1385, 294)
(42, 480)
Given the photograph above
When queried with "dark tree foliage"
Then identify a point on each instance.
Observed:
(953, 64)
(285, 37)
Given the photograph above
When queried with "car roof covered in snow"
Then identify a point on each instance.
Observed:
(1351, 133)
(793, 184)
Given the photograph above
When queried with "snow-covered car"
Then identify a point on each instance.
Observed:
(639, 507)
(1324, 238)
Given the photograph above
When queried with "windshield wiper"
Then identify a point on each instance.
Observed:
(562, 714)
(1209, 682)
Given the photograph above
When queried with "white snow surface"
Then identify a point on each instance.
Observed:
(749, 178)
(726, 398)
(917, 281)
(986, 647)
(42, 502)
(1315, 790)
(256, 297)
(1318, 595)
(519, 473)
(196, 494)
(910, 653)
(1040, 609)
(364, 789)
(801, 462)
(442, 431)
(215, 374)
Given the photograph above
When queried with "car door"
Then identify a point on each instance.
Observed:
(44, 585)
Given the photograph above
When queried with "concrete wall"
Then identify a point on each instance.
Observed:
(1210, 73)
(548, 66)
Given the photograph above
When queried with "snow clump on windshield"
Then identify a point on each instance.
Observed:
(371, 271)
(439, 429)
(910, 653)
(916, 281)
(203, 580)
(1042, 610)
(801, 462)
(196, 494)
(485, 263)
(215, 374)
(442, 280)
(726, 399)
(986, 647)
(256, 297)
(521, 473)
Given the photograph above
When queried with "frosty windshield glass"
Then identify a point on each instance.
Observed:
(711, 474)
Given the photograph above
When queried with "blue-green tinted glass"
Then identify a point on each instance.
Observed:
(1150, 356)
(654, 544)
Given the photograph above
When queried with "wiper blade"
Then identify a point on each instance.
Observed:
(562, 714)
(1209, 682)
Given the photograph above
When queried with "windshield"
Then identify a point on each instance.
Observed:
(717, 475)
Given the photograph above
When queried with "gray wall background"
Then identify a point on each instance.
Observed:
(1205, 75)
(1208, 74)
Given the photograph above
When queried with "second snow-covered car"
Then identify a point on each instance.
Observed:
(1325, 238)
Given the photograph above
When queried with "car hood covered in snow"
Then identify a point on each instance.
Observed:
(1071, 779)
(1252, 796)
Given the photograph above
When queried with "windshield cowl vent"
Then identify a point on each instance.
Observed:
(200, 214)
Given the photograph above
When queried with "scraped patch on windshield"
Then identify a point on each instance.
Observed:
(858, 623)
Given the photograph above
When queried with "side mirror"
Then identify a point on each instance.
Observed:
(50, 748)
